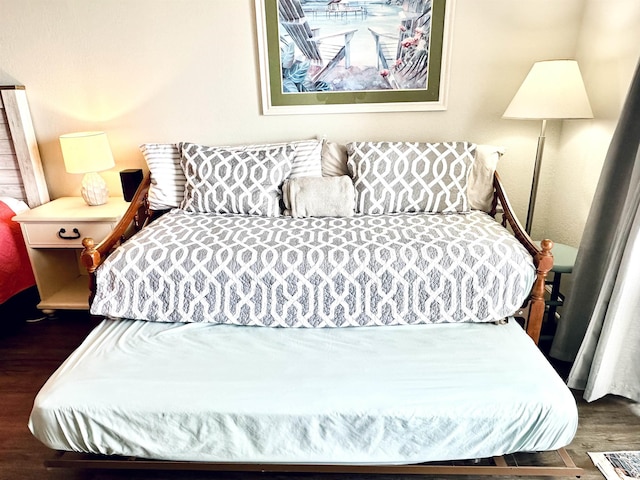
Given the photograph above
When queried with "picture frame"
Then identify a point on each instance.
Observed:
(377, 43)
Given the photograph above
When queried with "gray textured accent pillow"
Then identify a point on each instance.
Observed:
(394, 177)
(228, 180)
(318, 197)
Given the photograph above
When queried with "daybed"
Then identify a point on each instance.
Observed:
(370, 328)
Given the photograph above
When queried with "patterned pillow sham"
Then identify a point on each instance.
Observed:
(479, 185)
(395, 177)
(306, 159)
(168, 180)
(228, 180)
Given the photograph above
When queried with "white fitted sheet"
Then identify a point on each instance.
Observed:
(376, 395)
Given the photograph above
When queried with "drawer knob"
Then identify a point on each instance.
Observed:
(75, 236)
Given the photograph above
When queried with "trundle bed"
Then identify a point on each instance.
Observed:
(238, 338)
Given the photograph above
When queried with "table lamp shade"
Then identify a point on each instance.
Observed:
(88, 153)
(553, 89)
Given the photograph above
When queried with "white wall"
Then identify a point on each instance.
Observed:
(172, 70)
(608, 50)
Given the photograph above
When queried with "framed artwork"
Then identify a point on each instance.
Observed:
(343, 56)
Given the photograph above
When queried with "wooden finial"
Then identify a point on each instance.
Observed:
(90, 256)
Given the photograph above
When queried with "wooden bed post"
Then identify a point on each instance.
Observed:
(137, 216)
(542, 258)
(544, 262)
(90, 259)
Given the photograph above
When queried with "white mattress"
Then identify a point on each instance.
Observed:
(376, 395)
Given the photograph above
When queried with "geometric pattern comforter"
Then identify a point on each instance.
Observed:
(390, 269)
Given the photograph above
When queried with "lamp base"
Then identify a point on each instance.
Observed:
(94, 189)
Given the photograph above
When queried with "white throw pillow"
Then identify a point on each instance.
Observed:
(334, 160)
(480, 184)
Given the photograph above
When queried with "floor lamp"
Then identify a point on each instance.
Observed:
(553, 90)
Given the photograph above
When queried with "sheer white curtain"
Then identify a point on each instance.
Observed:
(600, 326)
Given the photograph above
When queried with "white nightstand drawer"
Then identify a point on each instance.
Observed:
(65, 235)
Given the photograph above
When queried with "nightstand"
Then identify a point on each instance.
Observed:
(564, 258)
(53, 233)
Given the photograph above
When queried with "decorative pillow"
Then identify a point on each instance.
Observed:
(307, 159)
(167, 179)
(228, 180)
(318, 197)
(394, 177)
(480, 185)
(334, 160)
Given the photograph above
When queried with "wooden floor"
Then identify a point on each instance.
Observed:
(30, 352)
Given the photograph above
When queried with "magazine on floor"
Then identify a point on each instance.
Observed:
(617, 465)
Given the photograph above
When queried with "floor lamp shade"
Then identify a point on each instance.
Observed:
(553, 89)
(88, 153)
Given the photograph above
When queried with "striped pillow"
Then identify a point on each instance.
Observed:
(307, 159)
(168, 180)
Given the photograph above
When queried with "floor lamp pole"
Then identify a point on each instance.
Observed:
(536, 176)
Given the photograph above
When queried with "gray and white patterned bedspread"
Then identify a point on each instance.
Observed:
(316, 272)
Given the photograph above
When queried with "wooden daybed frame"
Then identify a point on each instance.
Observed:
(139, 214)
(28, 182)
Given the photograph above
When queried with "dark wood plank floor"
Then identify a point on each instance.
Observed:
(30, 352)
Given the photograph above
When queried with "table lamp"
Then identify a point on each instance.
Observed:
(552, 90)
(88, 153)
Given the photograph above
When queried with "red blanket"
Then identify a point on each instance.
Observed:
(15, 270)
